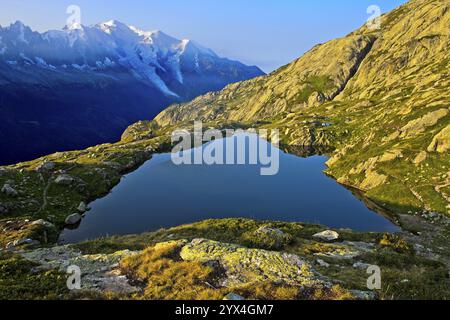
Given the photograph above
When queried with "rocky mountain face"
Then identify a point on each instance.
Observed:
(72, 88)
(379, 98)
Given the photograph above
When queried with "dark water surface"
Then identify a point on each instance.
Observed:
(162, 194)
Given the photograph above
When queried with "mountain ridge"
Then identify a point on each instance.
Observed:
(397, 76)
(81, 86)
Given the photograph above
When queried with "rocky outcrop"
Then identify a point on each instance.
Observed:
(64, 179)
(46, 166)
(73, 219)
(327, 235)
(82, 207)
(269, 237)
(441, 142)
(99, 272)
(243, 265)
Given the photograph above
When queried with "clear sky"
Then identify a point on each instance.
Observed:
(267, 33)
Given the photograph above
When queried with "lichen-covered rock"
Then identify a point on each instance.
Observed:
(421, 157)
(391, 155)
(373, 179)
(99, 272)
(363, 295)
(327, 235)
(441, 142)
(268, 238)
(417, 126)
(243, 265)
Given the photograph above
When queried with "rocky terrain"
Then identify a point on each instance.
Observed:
(376, 100)
(232, 259)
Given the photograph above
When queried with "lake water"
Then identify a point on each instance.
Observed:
(161, 194)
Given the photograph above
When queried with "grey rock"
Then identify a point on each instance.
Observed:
(363, 295)
(19, 242)
(361, 265)
(46, 166)
(322, 263)
(73, 219)
(327, 235)
(275, 237)
(99, 272)
(3, 209)
(233, 297)
(82, 207)
(9, 191)
(64, 179)
(42, 222)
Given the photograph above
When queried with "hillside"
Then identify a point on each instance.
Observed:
(379, 98)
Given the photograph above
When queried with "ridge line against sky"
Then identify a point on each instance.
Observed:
(266, 33)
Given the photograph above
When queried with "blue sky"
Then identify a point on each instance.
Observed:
(267, 33)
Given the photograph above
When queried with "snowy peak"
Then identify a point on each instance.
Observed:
(152, 57)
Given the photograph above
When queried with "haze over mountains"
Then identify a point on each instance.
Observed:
(76, 87)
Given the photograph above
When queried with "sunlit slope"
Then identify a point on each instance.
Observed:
(379, 97)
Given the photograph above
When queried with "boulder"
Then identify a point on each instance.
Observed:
(233, 297)
(441, 142)
(421, 157)
(3, 209)
(245, 266)
(9, 191)
(327, 235)
(19, 242)
(363, 295)
(64, 179)
(361, 265)
(82, 207)
(322, 263)
(42, 222)
(316, 99)
(73, 219)
(269, 238)
(45, 166)
(373, 179)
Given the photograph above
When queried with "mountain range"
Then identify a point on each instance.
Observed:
(83, 85)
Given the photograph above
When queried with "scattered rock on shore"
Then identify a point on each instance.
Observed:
(327, 235)
(73, 219)
(82, 207)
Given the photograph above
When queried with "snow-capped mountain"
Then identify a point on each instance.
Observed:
(151, 56)
(83, 85)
